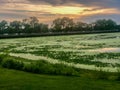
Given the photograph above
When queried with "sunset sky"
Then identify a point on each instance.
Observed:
(47, 10)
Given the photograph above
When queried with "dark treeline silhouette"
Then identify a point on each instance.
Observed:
(60, 25)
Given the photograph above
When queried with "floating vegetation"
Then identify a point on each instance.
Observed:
(84, 51)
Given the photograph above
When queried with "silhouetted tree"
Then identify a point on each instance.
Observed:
(104, 24)
(63, 24)
(80, 26)
(16, 26)
(3, 26)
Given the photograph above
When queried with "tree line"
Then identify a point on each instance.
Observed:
(65, 24)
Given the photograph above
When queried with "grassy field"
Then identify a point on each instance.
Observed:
(18, 80)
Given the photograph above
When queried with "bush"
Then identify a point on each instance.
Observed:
(12, 64)
(64, 70)
(0, 59)
(101, 75)
(31, 68)
(118, 76)
(44, 67)
(2, 56)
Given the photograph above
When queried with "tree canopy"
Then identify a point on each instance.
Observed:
(65, 24)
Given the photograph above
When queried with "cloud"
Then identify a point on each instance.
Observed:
(12, 16)
(13, 1)
(101, 3)
(92, 18)
(48, 10)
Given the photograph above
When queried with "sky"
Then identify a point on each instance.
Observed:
(48, 10)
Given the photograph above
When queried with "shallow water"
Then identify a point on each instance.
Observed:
(79, 44)
(111, 61)
(103, 50)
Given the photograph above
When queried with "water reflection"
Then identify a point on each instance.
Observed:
(106, 50)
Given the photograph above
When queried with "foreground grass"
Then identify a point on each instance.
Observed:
(18, 80)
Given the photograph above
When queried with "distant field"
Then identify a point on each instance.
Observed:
(90, 51)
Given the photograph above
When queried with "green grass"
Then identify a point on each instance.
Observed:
(18, 80)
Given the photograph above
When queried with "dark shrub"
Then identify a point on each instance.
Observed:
(47, 68)
(2, 56)
(39, 67)
(12, 64)
(31, 68)
(61, 69)
(0, 59)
